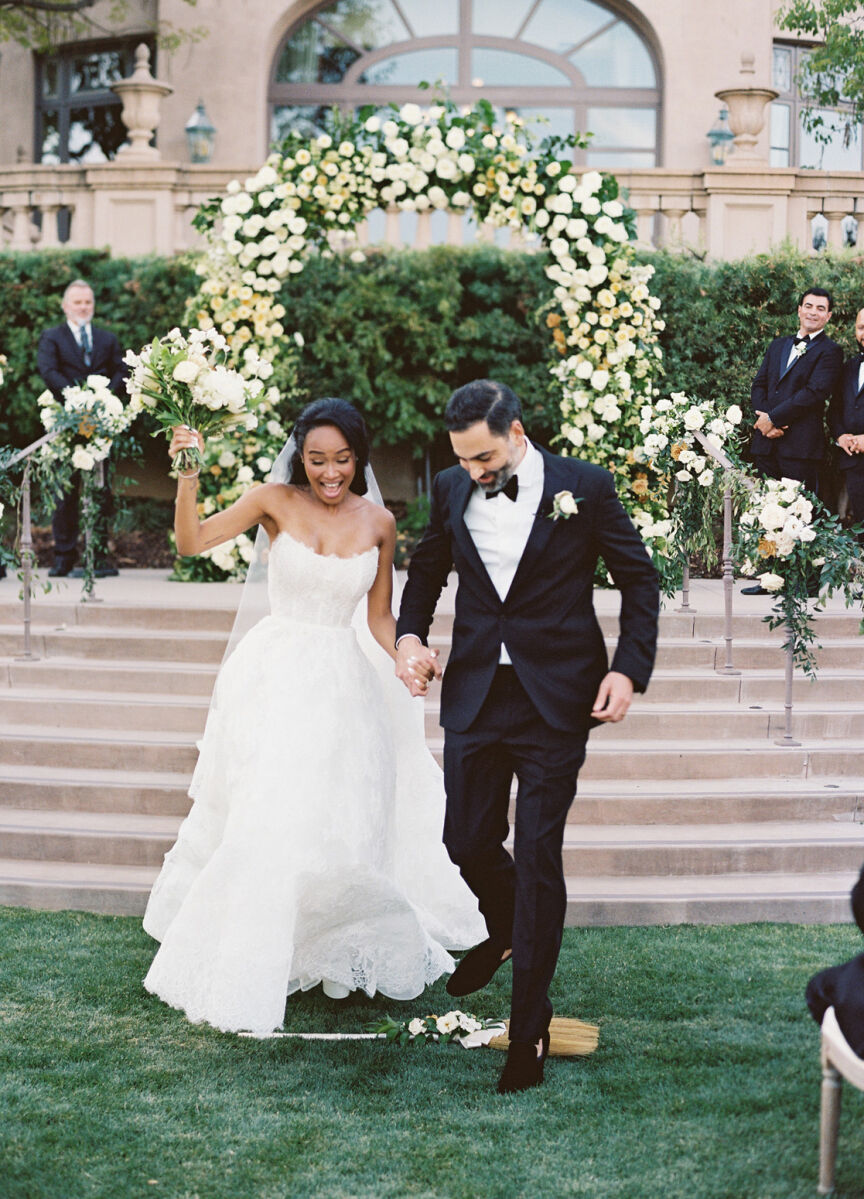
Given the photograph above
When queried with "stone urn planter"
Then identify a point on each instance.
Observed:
(746, 107)
(141, 95)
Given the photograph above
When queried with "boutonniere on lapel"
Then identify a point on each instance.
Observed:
(564, 505)
(800, 349)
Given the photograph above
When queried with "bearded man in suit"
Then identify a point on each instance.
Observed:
(67, 354)
(526, 679)
(846, 422)
(789, 395)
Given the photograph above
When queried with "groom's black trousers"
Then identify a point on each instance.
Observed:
(524, 902)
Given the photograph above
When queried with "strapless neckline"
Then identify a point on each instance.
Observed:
(373, 549)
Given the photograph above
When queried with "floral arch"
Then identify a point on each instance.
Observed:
(314, 193)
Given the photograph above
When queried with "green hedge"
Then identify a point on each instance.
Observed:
(135, 298)
(399, 331)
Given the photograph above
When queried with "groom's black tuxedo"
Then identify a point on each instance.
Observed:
(846, 415)
(794, 397)
(547, 620)
(530, 718)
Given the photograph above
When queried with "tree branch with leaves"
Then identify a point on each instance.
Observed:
(832, 72)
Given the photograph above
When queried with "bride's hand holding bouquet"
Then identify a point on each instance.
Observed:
(183, 381)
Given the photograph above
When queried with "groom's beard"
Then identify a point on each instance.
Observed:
(501, 477)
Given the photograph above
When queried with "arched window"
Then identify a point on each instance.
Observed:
(578, 63)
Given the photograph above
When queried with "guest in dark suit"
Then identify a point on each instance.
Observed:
(788, 398)
(842, 987)
(526, 679)
(846, 422)
(67, 354)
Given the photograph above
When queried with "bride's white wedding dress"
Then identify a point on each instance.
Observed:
(313, 848)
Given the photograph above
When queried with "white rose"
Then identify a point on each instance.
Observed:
(82, 459)
(264, 465)
(772, 517)
(734, 415)
(445, 168)
(566, 503)
(600, 380)
(245, 474)
(448, 1023)
(771, 582)
(706, 478)
(591, 206)
(411, 114)
(584, 369)
(185, 372)
(693, 419)
(227, 458)
(416, 1027)
(466, 163)
(591, 182)
(455, 138)
(613, 208)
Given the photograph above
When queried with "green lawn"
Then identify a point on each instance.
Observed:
(705, 1085)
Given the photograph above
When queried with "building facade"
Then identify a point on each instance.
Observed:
(642, 77)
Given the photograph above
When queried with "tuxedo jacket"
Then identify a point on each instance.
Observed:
(60, 362)
(795, 397)
(841, 987)
(846, 412)
(547, 618)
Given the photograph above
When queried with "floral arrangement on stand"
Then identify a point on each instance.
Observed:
(678, 464)
(314, 193)
(86, 424)
(805, 553)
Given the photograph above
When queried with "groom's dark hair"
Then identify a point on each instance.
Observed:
(485, 400)
(344, 417)
(818, 291)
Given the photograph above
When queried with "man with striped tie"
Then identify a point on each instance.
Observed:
(67, 354)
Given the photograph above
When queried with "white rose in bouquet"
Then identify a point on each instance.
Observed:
(771, 582)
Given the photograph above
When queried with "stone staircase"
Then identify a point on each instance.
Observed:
(688, 811)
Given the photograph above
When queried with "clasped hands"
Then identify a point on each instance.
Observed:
(417, 665)
(851, 443)
(767, 428)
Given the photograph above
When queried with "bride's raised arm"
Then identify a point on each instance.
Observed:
(194, 535)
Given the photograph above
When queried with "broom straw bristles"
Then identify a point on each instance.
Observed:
(568, 1037)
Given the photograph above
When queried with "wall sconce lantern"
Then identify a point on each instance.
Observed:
(200, 135)
(720, 136)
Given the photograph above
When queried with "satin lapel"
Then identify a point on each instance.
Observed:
(788, 343)
(544, 526)
(462, 491)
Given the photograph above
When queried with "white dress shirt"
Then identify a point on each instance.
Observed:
(77, 332)
(861, 376)
(500, 527)
(811, 337)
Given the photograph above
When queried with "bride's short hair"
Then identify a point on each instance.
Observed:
(344, 417)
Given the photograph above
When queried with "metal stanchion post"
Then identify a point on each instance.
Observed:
(728, 578)
(685, 589)
(787, 738)
(26, 565)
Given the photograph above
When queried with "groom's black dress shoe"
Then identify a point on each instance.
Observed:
(756, 589)
(524, 1068)
(476, 968)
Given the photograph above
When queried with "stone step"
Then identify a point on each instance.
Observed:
(50, 612)
(150, 750)
(687, 654)
(189, 645)
(711, 899)
(601, 900)
(142, 677)
(129, 712)
(623, 850)
(598, 802)
(156, 617)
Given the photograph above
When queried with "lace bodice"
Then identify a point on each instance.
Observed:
(320, 589)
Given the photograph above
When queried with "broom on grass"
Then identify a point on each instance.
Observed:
(567, 1037)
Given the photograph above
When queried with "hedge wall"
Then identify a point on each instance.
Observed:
(399, 331)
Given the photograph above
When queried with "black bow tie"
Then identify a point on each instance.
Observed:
(806, 337)
(510, 489)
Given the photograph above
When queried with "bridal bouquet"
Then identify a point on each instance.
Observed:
(184, 381)
(86, 423)
(452, 1026)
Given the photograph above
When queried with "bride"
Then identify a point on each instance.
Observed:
(312, 853)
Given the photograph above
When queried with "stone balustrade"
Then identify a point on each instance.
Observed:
(146, 208)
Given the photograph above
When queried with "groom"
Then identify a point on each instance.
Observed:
(526, 679)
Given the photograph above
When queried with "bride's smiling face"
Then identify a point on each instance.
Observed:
(329, 462)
